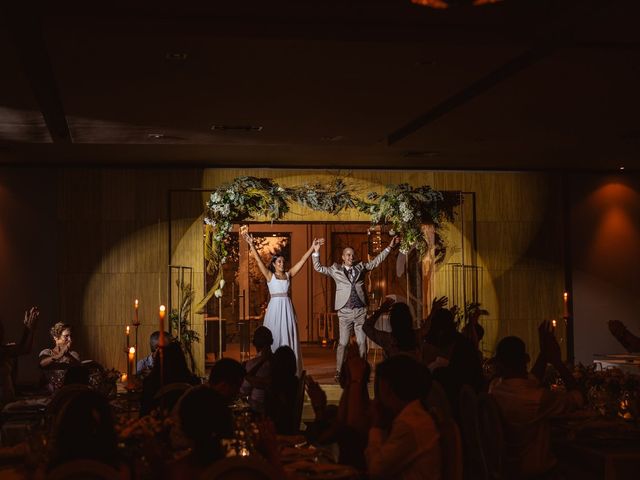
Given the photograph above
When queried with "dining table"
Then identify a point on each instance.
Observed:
(589, 445)
(303, 460)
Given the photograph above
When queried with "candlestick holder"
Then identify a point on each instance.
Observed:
(136, 325)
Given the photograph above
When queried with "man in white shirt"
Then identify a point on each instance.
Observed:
(404, 442)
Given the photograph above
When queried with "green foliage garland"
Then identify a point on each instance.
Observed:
(403, 207)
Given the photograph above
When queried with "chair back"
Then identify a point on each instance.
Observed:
(491, 435)
(437, 400)
(83, 470)
(246, 468)
(470, 429)
(450, 445)
(299, 404)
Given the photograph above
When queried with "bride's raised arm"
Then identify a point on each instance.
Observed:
(296, 268)
(265, 271)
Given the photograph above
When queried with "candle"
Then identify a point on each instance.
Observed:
(161, 329)
(554, 324)
(124, 377)
(127, 338)
(131, 366)
(565, 304)
(136, 320)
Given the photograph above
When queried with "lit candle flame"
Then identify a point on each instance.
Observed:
(132, 350)
(127, 329)
(135, 304)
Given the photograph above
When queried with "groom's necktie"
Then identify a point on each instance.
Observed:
(354, 299)
(350, 274)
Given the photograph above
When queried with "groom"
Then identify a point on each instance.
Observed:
(351, 299)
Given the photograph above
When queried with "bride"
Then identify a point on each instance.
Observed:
(280, 317)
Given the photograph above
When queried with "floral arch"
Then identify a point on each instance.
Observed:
(403, 207)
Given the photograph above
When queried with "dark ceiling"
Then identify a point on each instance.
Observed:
(523, 85)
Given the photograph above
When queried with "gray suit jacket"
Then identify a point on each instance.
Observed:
(343, 285)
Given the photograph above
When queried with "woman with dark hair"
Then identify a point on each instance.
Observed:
(84, 430)
(58, 359)
(280, 318)
(280, 397)
(456, 361)
(403, 337)
(169, 366)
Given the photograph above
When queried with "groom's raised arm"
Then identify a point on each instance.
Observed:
(315, 258)
(375, 263)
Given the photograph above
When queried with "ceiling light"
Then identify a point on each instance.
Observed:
(621, 168)
(155, 136)
(237, 128)
(422, 153)
(176, 56)
(442, 4)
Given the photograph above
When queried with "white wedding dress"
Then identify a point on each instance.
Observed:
(280, 318)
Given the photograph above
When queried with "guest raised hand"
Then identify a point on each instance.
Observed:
(317, 396)
(31, 317)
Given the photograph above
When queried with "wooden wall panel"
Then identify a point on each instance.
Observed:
(113, 244)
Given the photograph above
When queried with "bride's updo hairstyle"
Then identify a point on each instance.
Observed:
(272, 263)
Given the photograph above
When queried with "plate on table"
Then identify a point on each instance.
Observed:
(290, 440)
(307, 469)
(292, 454)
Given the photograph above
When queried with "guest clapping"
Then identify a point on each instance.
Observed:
(57, 359)
(61, 352)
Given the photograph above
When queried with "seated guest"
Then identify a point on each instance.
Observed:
(258, 369)
(526, 405)
(170, 368)
(10, 352)
(55, 361)
(354, 409)
(281, 395)
(144, 366)
(457, 361)
(205, 419)
(404, 441)
(226, 378)
(84, 430)
(402, 338)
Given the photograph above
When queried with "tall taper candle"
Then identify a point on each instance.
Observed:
(130, 366)
(136, 319)
(161, 329)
